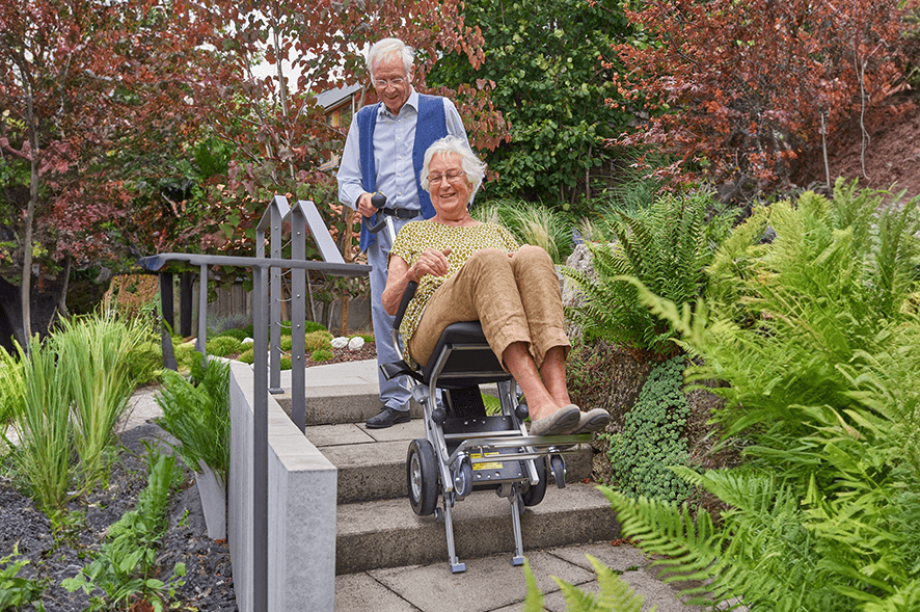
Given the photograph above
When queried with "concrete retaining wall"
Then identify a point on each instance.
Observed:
(301, 509)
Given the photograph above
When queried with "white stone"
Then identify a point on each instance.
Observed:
(248, 341)
(355, 343)
(340, 342)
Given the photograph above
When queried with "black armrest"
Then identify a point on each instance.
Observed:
(406, 298)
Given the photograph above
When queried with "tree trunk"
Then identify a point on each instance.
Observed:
(26, 290)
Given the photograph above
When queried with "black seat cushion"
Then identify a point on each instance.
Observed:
(471, 360)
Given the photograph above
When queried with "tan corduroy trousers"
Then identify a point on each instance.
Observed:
(516, 299)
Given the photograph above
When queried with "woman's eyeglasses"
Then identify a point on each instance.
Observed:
(435, 179)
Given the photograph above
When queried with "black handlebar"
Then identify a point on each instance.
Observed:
(379, 201)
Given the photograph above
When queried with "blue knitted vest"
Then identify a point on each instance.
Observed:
(430, 127)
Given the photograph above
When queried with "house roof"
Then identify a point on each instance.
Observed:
(333, 97)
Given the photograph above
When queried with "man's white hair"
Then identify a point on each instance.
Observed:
(389, 47)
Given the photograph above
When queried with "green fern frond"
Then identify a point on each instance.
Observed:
(533, 601)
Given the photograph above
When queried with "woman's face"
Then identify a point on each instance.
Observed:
(449, 188)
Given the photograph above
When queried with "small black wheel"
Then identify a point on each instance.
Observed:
(533, 494)
(422, 477)
(463, 478)
(557, 465)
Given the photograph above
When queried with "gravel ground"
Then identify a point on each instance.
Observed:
(208, 582)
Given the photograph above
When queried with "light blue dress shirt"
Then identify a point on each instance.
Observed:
(394, 138)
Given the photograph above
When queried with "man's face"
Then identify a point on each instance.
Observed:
(387, 70)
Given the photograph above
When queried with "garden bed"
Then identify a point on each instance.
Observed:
(208, 582)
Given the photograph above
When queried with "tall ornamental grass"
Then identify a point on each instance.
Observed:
(43, 426)
(816, 337)
(11, 391)
(95, 365)
(531, 224)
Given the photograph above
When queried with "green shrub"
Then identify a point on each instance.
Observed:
(313, 326)
(321, 355)
(285, 363)
(365, 337)
(318, 340)
(17, 592)
(286, 342)
(819, 362)
(652, 439)
(246, 356)
(126, 569)
(145, 362)
(217, 326)
(221, 346)
(667, 248)
(239, 334)
(197, 413)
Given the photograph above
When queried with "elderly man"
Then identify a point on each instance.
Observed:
(384, 152)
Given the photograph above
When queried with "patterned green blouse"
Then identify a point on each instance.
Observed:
(417, 236)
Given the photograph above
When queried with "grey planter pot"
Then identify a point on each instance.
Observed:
(213, 494)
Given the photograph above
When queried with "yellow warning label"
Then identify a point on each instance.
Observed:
(485, 466)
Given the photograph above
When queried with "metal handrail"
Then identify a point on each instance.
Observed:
(302, 216)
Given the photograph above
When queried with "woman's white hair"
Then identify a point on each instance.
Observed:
(387, 47)
(472, 166)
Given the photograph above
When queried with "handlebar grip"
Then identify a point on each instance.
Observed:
(376, 227)
(379, 201)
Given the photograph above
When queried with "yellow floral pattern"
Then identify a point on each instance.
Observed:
(417, 236)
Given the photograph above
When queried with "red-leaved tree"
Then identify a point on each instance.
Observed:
(87, 88)
(739, 90)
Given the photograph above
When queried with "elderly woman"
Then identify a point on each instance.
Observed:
(467, 271)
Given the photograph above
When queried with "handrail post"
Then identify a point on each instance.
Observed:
(260, 443)
(275, 305)
(201, 344)
(298, 320)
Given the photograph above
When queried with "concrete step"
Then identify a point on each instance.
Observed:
(372, 462)
(388, 533)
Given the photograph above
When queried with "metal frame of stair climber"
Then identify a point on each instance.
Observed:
(465, 449)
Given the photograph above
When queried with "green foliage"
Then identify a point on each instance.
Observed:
(12, 388)
(145, 362)
(365, 337)
(222, 346)
(17, 592)
(553, 73)
(821, 361)
(44, 428)
(239, 334)
(126, 566)
(667, 248)
(286, 342)
(321, 355)
(652, 440)
(197, 413)
(246, 356)
(316, 340)
(95, 354)
(313, 326)
(615, 594)
(530, 224)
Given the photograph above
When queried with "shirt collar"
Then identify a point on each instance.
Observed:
(412, 101)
